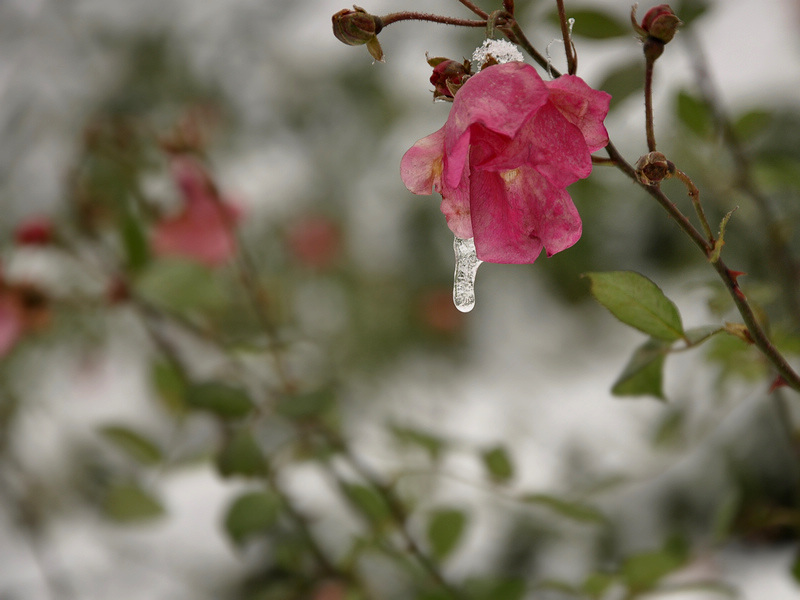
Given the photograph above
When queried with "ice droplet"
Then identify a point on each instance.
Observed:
(467, 263)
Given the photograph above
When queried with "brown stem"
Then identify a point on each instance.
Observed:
(694, 194)
(507, 24)
(482, 14)
(648, 103)
(759, 337)
(572, 63)
(418, 16)
(508, 6)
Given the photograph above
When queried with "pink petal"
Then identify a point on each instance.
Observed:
(515, 215)
(582, 106)
(456, 207)
(421, 165)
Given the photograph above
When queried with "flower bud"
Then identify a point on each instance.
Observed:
(358, 27)
(661, 23)
(448, 76)
(653, 168)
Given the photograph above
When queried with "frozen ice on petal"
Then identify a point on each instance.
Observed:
(467, 263)
(502, 51)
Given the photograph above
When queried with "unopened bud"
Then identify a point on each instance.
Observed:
(357, 27)
(661, 23)
(448, 77)
(653, 168)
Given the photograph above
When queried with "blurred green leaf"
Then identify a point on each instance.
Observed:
(221, 399)
(641, 572)
(638, 302)
(796, 567)
(134, 240)
(698, 335)
(694, 114)
(669, 430)
(445, 529)
(643, 375)
(181, 285)
(498, 464)
(752, 123)
(134, 444)
(596, 585)
(430, 443)
(594, 24)
(313, 405)
(251, 514)
(725, 515)
(576, 511)
(170, 387)
(496, 589)
(128, 503)
(241, 455)
(624, 81)
(368, 502)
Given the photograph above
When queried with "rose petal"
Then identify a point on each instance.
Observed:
(421, 165)
(582, 106)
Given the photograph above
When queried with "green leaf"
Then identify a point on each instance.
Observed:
(134, 241)
(496, 589)
(624, 81)
(594, 24)
(128, 503)
(643, 375)
(251, 514)
(313, 405)
(368, 502)
(223, 400)
(181, 285)
(498, 464)
(752, 123)
(428, 442)
(445, 529)
(241, 455)
(641, 572)
(670, 429)
(694, 114)
(134, 444)
(698, 335)
(170, 386)
(638, 302)
(596, 585)
(576, 511)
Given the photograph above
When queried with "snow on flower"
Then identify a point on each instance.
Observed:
(503, 160)
(203, 230)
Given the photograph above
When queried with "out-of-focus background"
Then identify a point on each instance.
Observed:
(110, 487)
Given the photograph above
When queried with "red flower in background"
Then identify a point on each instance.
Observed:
(511, 145)
(203, 230)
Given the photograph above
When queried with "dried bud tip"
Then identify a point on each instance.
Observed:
(448, 76)
(357, 27)
(653, 168)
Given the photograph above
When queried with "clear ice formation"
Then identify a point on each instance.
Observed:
(467, 263)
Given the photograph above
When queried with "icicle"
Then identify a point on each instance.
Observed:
(467, 263)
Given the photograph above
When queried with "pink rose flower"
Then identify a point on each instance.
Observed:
(511, 145)
(203, 230)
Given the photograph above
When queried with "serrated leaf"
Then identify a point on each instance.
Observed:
(251, 514)
(623, 81)
(241, 455)
(694, 114)
(638, 302)
(134, 444)
(643, 375)
(498, 464)
(576, 511)
(127, 503)
(218, 398)
(430, 443)
(594, 24)
(368, 502)
(445, 529)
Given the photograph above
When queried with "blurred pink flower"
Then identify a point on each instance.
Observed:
(511, 145)
(315, 241)
(203, 230)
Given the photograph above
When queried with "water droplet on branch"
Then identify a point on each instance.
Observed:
(467, 263)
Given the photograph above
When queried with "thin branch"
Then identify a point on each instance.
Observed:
(569, 48)
(418, 16)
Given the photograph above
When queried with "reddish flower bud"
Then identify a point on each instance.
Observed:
(448, 76)
(653, 168)
(661, 23)
(358, 27)
(34, 232)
